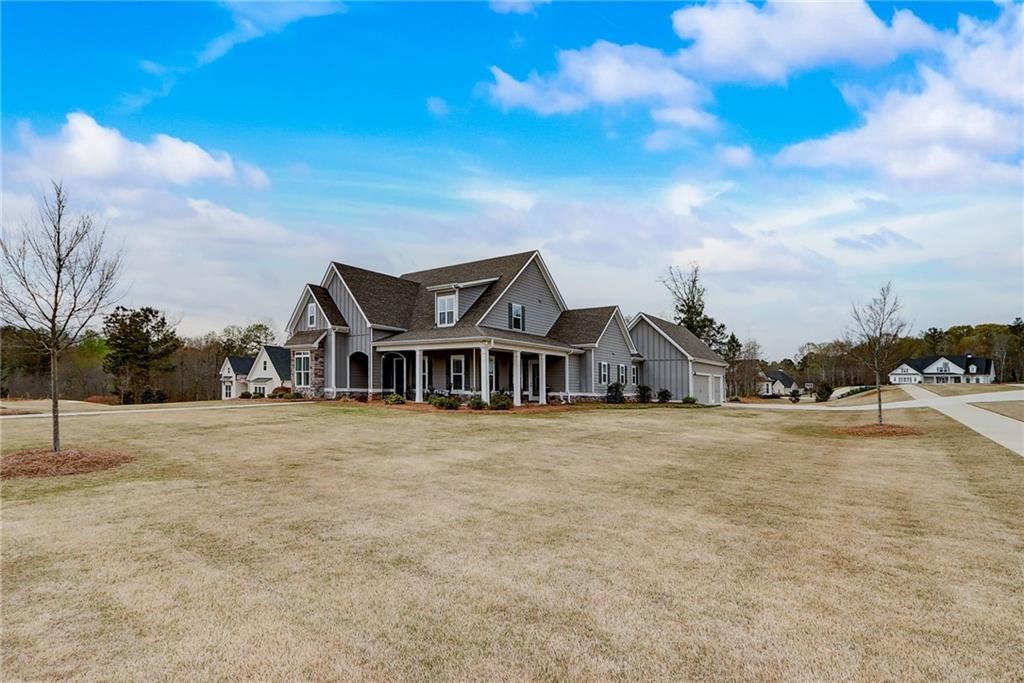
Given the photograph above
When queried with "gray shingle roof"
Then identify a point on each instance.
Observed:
(505, 268)
(780, 376)
(686, 339)
(282, 360)
(582, 325)
(305, 338)
(385, 299)
(327, 305)
(240, 364)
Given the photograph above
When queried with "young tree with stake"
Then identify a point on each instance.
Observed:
(874, 336)
(57, 278)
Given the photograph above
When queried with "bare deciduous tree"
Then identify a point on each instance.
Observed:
(1000, 351)
(874, 336)
(58, 277)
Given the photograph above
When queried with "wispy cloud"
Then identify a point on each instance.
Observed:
(874, 241)
(251, 20)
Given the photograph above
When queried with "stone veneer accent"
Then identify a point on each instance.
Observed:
(316, 371)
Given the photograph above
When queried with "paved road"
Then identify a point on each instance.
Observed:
(144, 411)
(1005, 431)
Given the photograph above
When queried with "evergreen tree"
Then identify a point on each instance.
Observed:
(139, 342)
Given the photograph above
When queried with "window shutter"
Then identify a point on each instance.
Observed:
(510, 315)
(523, 309)
(448, 372)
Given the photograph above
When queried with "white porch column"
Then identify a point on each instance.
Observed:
(334, 359)
(485, 375)
(517, 379)
(690, 378)
(543, 368)
(419, 375)
(567, 398)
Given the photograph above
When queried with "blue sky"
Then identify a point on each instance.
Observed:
(803, 154)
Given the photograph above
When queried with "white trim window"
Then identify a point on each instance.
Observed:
(622, 374)
(302, 368)
(602, 376)
(259, 390)
(517, 317)
(446, 305)
(635, 371)
(311, 314)
(457, 375)
(264, 365)
(227, 390)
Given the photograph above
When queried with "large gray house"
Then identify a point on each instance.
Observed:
(499, 324)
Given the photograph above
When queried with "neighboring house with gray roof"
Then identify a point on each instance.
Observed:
(776, 383)
(497, 324)
(674, 358)
(234, 376)
(272, 368)
(945, 369)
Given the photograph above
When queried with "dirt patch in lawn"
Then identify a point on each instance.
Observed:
(43, 462)
(878, 430)
(4, 410)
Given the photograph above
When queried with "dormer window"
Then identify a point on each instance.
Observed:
(311, 314)
(973, 369)
(517, 317)
(446, 305)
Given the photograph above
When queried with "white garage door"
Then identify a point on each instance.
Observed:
(700, 389)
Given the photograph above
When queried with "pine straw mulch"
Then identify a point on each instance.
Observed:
(43, 462)
(878, 430)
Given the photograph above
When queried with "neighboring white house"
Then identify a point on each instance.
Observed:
(776, 383)
(234, 376)
(966, 369)
(271, 368)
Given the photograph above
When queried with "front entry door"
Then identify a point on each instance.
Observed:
(533, 380)
(398, 372)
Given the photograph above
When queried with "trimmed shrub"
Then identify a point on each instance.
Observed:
(614, 394)
(501, 402)
(245, 394)
(447, 403)
(664, 395)
(823, 392)
(689, 400)
(280, 390)
(734, 399)
(476, 403)
(644, 393)
(394, 400)
(255, 396)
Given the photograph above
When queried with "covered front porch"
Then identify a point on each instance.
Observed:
(527, 375)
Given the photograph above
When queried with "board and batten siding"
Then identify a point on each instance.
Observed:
(614, 350)
(356, 340)
(664, 366)
(531, 290)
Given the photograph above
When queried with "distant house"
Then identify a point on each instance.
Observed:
(776, 383)
(674, 358)
(946, 369)
(234, 376)
(271, 368)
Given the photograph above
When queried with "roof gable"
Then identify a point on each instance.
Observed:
(685, 340)
(240, 364)
(582, 326)
(385, 300)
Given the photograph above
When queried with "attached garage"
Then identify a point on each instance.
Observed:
(675, 359)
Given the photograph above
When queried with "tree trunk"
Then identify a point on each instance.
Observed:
(54, 407)
(878, 392)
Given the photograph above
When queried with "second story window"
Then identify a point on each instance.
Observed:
(517, 317)
(446, 310)
(311, 314)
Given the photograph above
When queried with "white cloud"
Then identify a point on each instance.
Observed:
(960, 126)
(437, 107)
(604, 74)
(738, 156)
(257, 19)
(516, 6)
(83, 149)
(741, 41)
(683, 198)
(686, 117)
(500, 195)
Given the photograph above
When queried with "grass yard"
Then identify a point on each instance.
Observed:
(353, 543)
(967, 389)
(890, 394)
(1014, 409)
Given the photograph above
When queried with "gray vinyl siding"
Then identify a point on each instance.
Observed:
(531, 290)
(574, 373)
(357, 339)
(587, 372)
(468, 297)
(664, 366)
(303, 322)
(556, 374)
(614, 350)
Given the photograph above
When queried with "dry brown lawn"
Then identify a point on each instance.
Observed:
(350, 543)
(890, 394)
(1014, 409)
(967, 389)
